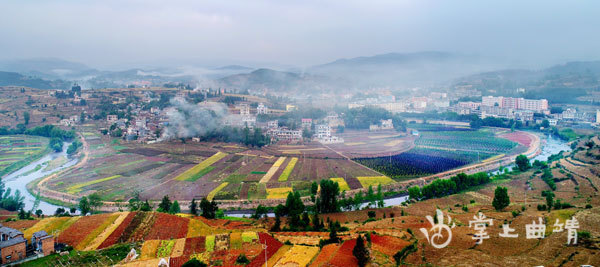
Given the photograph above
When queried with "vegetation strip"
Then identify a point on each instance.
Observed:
(272, 170)
(77, 188)
(191, 174)
(214, 192)
(288, 170)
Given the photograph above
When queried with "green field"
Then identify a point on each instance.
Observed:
(16, 151)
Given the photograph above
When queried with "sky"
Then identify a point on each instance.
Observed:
(119, 33)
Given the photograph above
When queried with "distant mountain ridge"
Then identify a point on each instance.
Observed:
(16, 79)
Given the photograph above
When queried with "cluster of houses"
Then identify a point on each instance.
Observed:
(14, 247)
(416, 104)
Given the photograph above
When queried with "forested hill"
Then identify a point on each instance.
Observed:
(16, 79)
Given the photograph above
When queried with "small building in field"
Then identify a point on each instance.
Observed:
(43, 243)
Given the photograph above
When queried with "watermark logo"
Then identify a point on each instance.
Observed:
(439, 229)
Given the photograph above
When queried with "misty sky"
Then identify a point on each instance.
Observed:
(114, 33)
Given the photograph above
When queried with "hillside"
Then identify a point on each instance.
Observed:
(569, 80)
(16, 79)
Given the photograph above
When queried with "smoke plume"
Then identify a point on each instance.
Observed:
(190, 120)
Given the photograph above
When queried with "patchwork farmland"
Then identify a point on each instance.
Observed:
(116, 169)
(220, 171)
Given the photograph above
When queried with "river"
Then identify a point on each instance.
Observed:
(19, 179)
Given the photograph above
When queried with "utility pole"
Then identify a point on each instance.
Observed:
(265, 247)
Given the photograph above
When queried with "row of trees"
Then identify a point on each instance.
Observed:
(444, 187)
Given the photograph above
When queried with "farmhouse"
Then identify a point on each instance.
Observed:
(13, 246)
(42, 243)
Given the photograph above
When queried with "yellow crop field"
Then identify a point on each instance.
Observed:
(50, 225)
(199, 228)
(342, 183)
(493, 158)
(235, 240)
(77, 188)
(272, 170)
(248, 237)
(278, 255)
(280, 192)
(214, 192)
(189, 175)
(178, 247)
(298, 256)
(149, 249)
(288, 170)
(367, 181)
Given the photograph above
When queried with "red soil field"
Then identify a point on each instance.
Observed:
(519, 137)
(387, 244)
(168, 226)
(20, 224)
(81, 228)
(272, 246)
(326, 253)
(343, 257)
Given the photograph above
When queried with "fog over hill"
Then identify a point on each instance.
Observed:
(397, 71)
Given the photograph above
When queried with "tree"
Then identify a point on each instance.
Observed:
(328, 196)
(360, 252)
(277, 225)
(545, 124)
(194, 263)
(522, 163)
(146, 206)
(549, 200)
(209, 208)
(26, 117)
(174, 209)
(501, 199)
(39, 213)
(84, 206)
(165, 204)
(194, 207)
(82, 117)
(414, 192)
(95, 202)
(259, 212)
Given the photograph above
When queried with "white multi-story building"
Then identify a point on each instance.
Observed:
(262, 109)
(491, 101)
(244, 109)
(323, 131)
(520, 103)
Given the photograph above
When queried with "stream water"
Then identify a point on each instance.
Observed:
(19, 179)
